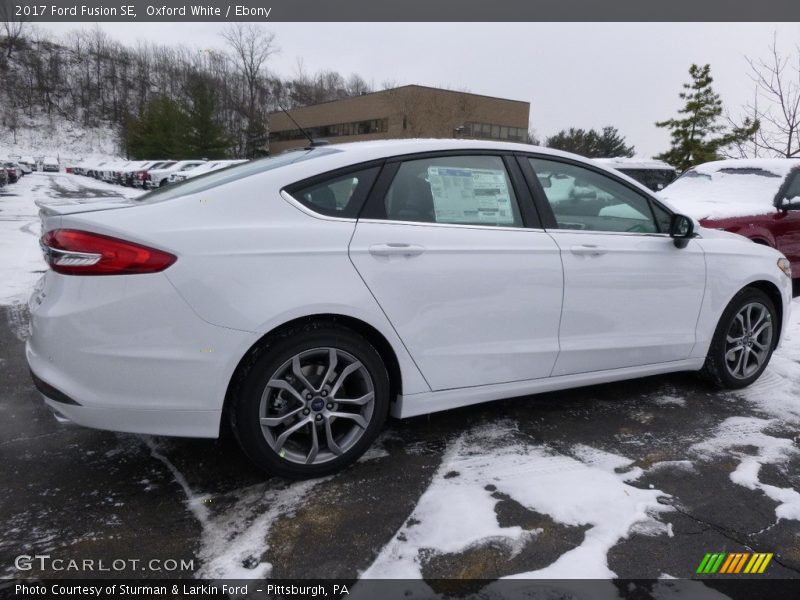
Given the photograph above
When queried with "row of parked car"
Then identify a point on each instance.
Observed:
(148, 174)
(11, 171)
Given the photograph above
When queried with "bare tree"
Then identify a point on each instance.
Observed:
(777, 82)
(750, 147)
(252, 47)
(12, 27)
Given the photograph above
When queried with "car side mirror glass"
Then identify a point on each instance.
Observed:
(681, 230)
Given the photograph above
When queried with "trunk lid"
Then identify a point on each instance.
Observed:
(69, 206)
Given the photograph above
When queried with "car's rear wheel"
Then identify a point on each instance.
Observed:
(312, 403)
(743, 341)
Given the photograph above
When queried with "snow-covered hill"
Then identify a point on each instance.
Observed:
(58, 137)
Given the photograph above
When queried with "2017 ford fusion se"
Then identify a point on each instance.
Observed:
(305, 297)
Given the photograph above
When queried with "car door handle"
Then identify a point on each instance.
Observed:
(588, 250)
(394, 249)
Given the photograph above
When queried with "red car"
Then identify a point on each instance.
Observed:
(756, 198)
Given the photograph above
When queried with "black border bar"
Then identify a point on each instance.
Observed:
(404, 10)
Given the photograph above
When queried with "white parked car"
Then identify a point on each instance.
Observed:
(158, 177)
(210, 166)
(304, 297)
(653, 174)
(50, 164)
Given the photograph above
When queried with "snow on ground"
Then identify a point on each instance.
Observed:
(41, 136)
(21, 262)
(745, 438)
(234, 540)
(755, 441)
(777, 391)
(457, 513)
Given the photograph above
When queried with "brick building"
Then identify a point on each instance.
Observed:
(403, 112)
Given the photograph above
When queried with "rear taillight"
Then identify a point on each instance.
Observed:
(73, 252)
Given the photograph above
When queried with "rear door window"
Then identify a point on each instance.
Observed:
(340, 195)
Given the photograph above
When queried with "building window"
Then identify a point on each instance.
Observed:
(335, 130)
(490, 131)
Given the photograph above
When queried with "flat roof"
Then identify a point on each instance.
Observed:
(411, 85)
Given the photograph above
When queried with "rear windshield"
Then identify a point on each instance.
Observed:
(655, 179)
(214, 179)
(748, 171)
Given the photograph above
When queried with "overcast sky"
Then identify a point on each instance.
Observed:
(573, 74)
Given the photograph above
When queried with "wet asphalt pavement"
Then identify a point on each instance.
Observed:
(84, 494)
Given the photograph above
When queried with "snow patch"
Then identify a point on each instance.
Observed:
(21, 261)
(777, 391)
(234, 540)
(667, 400)
(458, 512)
(735, 437)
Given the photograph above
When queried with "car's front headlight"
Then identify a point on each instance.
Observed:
(785, 266)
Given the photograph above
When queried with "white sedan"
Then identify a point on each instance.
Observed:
(157, 177)
(208, 167)
(305, 297)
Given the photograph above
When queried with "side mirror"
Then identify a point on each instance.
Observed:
(792, 203)
(681, 230)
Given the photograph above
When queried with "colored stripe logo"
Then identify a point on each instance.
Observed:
(734, 563)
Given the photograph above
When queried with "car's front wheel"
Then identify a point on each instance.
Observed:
(743, 341)
(312, 402)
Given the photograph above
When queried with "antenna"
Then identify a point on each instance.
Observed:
(296, 124)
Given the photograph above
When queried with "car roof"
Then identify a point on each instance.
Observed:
(392, 147)
(635, 163)
(778, 166)
(334, 156)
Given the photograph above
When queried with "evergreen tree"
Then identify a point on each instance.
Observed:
(592, 144)
(256, 137)
(611, 144)
(160, 132)
(205, 137)
(698, 136)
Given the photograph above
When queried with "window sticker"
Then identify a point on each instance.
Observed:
(473, 196)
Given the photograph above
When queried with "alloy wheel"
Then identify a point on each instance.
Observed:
(316, 406)
(749, 340)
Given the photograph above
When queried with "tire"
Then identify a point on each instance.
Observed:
(310, 410)
(732, 373)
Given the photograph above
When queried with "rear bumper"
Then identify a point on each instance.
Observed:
(130, 355)
(181, 423)
(177, 423)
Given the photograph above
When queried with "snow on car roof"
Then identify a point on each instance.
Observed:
(729, 188)
(778, 166)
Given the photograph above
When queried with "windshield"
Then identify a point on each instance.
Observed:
(219, 177)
